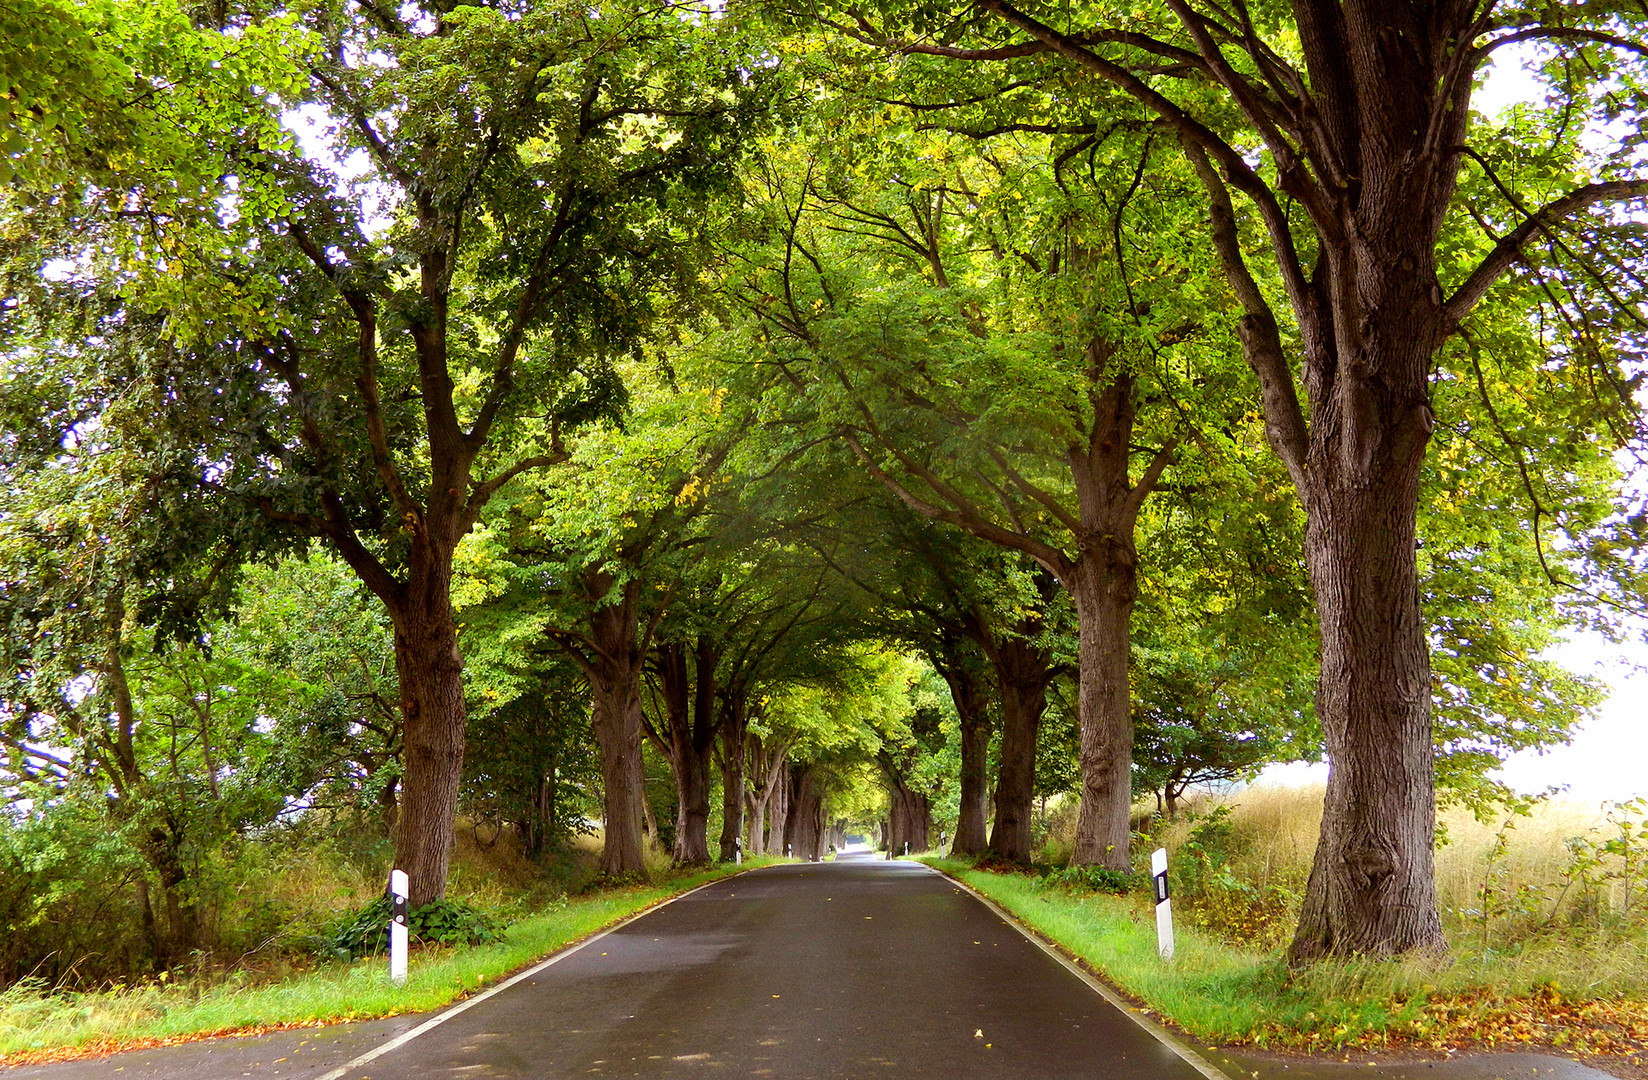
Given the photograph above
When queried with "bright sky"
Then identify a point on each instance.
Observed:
(1608, 758)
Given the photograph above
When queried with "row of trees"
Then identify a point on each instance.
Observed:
(674, 354)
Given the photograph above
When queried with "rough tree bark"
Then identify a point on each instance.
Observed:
(804, 820)
(433, 718)
(766, 758)
(1023, 672)
(971, 697)
(1105, 588)
(909, 812)
(687, 685)
(613, 666)
(778, 809)
(733, 735)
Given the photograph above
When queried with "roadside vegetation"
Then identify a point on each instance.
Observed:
(312, 984)
(1545, 911)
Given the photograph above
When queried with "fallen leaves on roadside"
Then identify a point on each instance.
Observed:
(102, 1047)
(1482, 1019)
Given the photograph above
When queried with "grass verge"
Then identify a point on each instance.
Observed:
(37, 1027)
(1557, 999)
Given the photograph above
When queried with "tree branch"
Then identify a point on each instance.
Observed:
(1510, 246)
(1050, 557)
(1260, 335)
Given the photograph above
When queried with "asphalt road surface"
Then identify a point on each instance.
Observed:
(850, 969)
(853, 969)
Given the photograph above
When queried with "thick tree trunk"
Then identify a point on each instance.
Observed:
(433, 721)
(1372, 884)
(972, 709)
(768, 800)
(1105, 588)
(692, 818)
(910, 818)
(909, 814)
(1386, 122)
(615, 717)
(1023, 672)
(758, 824)
(778, 823)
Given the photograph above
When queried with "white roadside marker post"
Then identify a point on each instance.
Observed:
(1164, 904)
(398, 886)
(738, 851)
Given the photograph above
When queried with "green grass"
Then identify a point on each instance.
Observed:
(33, 1023)
(1225, 993)
(1212, 990)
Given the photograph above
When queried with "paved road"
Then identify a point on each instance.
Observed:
(852, 969)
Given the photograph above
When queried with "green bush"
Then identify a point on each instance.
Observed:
(1095, 879)
(441, 922)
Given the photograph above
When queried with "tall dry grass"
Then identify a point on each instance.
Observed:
(1558, 895)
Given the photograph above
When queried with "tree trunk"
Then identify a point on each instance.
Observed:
(733, 733)
(804, 822)
(1386, 122)
(692, 818)
(1372, 883)
(1105, 588)
(910, 816)
(433, 725)
(615, 716)
(972, 708)
(164, 851)
(908, 812)
(1023, 672)
(778, 809)
(765, 760)
(688, 691)
(758, 824)
(151, 932)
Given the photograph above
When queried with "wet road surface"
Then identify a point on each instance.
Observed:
(846, 970)
(851, 969)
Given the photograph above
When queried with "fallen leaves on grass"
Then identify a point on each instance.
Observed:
(104, 1046)
(1482, 1019)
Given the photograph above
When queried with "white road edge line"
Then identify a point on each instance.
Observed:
(436, 1021)
(1166, 1038)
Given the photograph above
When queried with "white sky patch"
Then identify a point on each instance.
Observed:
(1509, 82)
(1608, 758)
(317, 135)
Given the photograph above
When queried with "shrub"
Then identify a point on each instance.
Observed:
(1095, 879)
(441, 922)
